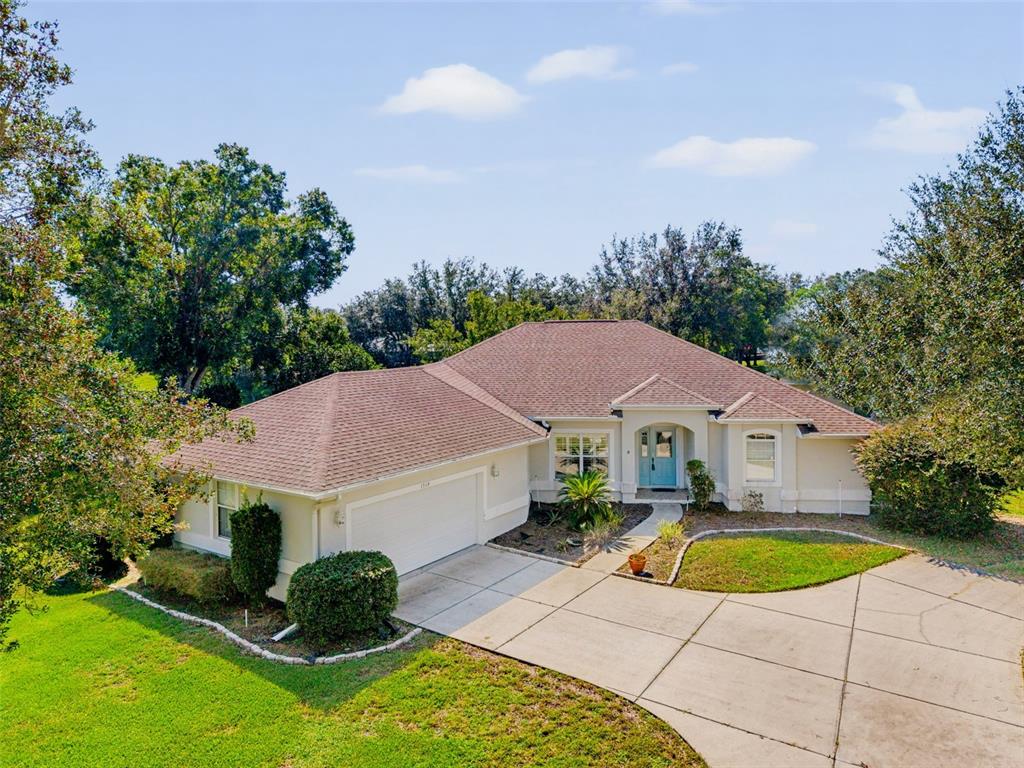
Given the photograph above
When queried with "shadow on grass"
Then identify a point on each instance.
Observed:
(320, 686)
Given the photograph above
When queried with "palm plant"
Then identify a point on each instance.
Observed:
(587, 497)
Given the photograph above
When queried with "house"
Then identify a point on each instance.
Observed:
(421, 462)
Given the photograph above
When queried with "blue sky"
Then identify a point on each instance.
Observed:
(528, 134)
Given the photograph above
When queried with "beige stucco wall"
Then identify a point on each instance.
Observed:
(543, 486)
(315, 528)
(197, 529)
(504, 505)
(828, 479)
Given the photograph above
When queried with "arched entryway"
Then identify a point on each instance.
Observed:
(661, 454)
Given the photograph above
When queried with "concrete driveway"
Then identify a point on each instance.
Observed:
(909, 664)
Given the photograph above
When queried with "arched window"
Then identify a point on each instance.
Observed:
(760, 464)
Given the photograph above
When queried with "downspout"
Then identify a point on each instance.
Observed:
(840, 498)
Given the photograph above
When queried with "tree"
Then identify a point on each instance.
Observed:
(313, 343)
(487, 317)
(701, 288)
(181, 266)
(937, 333)
(83, 450)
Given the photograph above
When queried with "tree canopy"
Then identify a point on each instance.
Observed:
(183, 266)
(700, 287)
(82, 448)
(937, 333)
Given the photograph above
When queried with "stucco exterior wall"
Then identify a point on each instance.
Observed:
(543, 486)
(828, 479)
(505, 500)
(198, 529)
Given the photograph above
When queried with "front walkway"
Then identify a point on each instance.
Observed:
(909, 664)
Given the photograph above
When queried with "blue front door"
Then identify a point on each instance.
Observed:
(657, 457)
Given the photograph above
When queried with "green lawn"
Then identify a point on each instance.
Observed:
(776, 561)
(100, 680)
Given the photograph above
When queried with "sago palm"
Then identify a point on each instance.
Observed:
(587, 497)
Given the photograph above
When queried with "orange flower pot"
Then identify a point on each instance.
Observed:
(637, 562)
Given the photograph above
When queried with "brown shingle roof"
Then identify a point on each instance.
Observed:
(755, 407)
(578, 368)
(349, 428)
(658, 390)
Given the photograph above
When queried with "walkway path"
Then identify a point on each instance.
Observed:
(910, 664)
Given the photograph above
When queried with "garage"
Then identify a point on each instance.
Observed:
(419, 525)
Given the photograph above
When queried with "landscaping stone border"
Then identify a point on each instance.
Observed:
(726, 531)
(536, 555)
(255, 649)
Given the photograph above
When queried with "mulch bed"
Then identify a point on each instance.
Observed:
(267, 621)
(560, 541)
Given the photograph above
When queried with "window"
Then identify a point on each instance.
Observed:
(760, 464)
(575, 453)
(227, 502)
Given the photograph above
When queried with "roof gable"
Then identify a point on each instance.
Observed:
(755, 407)
(657, 390)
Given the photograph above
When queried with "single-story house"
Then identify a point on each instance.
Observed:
(421, 462)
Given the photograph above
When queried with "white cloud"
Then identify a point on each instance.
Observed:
(417, 173)
(921, 130)
(743, 157)
(792, 228)
(595, 61)
(683, 7)
(679, 68)
(459, 90)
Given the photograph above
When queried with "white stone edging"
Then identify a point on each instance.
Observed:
(535, 555)
(256, 650)
(726, 531)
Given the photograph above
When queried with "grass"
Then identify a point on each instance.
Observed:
(776, 561)
(102, 680)
(999, 552)
(1012, 503)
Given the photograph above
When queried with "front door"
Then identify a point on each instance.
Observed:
(657, 457)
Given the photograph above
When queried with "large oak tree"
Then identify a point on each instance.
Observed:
(185, 266)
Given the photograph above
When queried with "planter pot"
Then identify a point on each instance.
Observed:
(637, 563)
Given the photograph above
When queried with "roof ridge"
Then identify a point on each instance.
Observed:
(448, 375)
(739, 402)
(323, 442)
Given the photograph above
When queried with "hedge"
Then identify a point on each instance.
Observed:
(255, 549)
(918, 488)
(342, 594)
(205, 578)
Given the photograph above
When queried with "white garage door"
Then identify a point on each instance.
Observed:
(420, 526)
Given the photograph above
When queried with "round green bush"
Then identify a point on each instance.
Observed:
(917, 488)
(342, 594)
(255, 549)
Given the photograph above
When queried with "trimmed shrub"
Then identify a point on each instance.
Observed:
(752, 502)
(702, 484)
(255, 549)
(916, 488)
(342, 594)
(203, 577)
